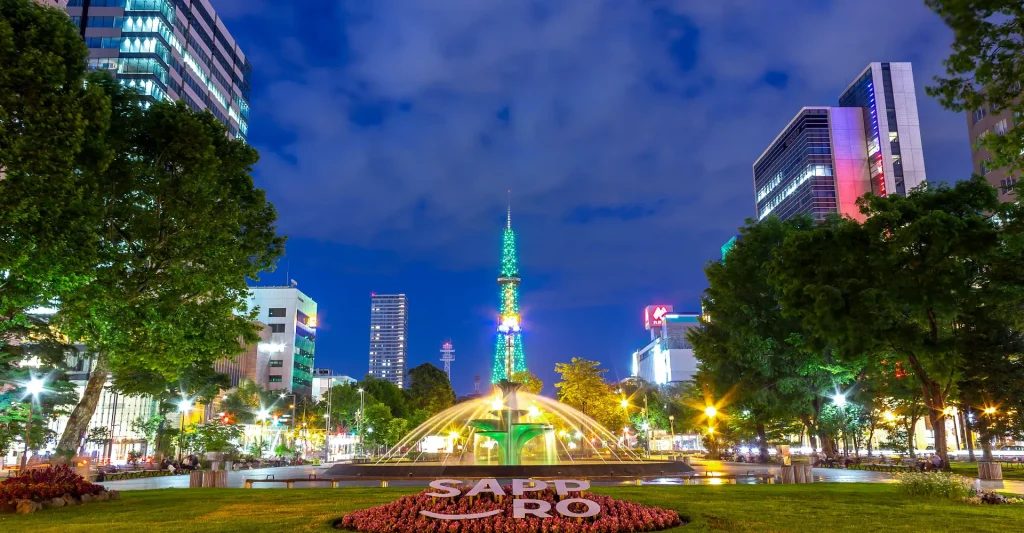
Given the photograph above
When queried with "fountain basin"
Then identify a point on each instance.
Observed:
(475, 471)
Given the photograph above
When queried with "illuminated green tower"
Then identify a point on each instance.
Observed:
(508, 351)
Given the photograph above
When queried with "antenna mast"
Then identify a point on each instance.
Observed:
(447, 356)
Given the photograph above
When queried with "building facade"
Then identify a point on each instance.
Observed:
(389, 332)
(169, 50)
(290, 316)
(668, 358)
(252, 364)
(818, 165)
(988, 121)
(325, 378)
(827, 157)
(886, 96)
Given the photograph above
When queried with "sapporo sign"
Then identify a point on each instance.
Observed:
(522, 507)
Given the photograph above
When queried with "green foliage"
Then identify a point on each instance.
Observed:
(531, 383)
(377, 420)
(429, 389)
(985, 71)
(282, 450)
(937, 485)
(583, 387)
(99, 435)
(215, 437)
(387, 393)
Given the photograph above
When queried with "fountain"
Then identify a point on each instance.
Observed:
(512, 433)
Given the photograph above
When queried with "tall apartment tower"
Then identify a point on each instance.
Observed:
(827, 157)
(169, 50)
(987, 121)
(290, 316)
(389, 331)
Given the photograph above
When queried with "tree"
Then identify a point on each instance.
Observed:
(385, 392)
(985, 69)
(429, 389)
(531, 383)
(584, 388)
(377, 418)
(182, 230)
(899, 283)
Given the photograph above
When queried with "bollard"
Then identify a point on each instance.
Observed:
(208, 479)
(195, 479)
(799, 474)
(808, 473)
(787, 475)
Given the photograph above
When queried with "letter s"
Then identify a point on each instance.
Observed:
(442, 484)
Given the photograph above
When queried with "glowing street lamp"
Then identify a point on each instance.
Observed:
(990, 410)
(840, 400)
(34, 388)
(889, 416)
(710, 411)
(184, 406)
(624, 403)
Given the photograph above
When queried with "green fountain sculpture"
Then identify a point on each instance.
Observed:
(509, 432)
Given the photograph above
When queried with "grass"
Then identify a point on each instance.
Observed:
(830, 508)
(971, 470)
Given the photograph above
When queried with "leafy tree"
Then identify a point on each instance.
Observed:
(215, 437)
(386, 393)
(182, 229)
(985, 71)
(429, 389)
(531, 383)
(345, 403)
(377, 420)
(584, 388)
(899, 283)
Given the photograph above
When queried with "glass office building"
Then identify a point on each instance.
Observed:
(169, 49)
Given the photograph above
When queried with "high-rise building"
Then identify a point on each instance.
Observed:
(885, 94)
(827, 157)
(389, 332)
(291, 317)
(817, 165)
(668, 358)
(509, 356)
(169, 50)
(325, 378)
(986, 121)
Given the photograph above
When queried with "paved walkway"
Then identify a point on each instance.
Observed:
(236, 479)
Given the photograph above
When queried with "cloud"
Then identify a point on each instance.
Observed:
(625, 130)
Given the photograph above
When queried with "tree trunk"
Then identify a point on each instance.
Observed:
(936, 412)
(811, 438)
(986, 446)
(827, 446)
(763, 435)
(912, 436)
(79, 420)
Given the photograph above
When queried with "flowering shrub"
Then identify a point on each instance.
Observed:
(44, 484)
(403, 516)
(937, 484)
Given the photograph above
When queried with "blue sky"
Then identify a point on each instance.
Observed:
(390, 131)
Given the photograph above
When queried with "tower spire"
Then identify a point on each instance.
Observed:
(509, 226)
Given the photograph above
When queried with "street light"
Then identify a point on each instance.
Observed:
(34, 387)
(710, 411)
(990, 410)
(840, 400)
(672, 424)
(184, 406)
(624, 403)
(362, 411)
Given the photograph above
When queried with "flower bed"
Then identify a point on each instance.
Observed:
(403, 516)
(37, 488)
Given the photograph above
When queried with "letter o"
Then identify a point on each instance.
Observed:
(593, 508)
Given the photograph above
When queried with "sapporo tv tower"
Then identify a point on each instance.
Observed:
(508, 351)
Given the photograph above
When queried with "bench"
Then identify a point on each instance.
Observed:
(290, 482)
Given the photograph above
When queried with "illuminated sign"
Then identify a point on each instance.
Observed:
(509, 323)
(654, 315)
(521, 507)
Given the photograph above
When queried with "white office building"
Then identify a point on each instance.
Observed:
(389, 331)
(668, 358)
(291, 317)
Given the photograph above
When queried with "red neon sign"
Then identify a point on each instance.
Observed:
(654, 315)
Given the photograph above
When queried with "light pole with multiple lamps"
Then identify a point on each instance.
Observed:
(34, 387)
(184, 406)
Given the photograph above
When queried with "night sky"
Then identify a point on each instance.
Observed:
(390, 131)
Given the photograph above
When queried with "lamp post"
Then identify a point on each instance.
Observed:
(672, 425)
(840, 400)
(34, 387)
(359, 419)
(184, 406)
(262, 414)
(327, 430)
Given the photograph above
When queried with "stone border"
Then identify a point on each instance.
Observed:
(67, 500)
(581, 470)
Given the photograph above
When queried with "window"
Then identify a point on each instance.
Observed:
(275, 379)
(984, 167)
(276, 363)
(1007, 184)
(979, 114)
(1001, 127)
(277, 328)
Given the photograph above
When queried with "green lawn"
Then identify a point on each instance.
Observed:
(830, 508)
(971, 470)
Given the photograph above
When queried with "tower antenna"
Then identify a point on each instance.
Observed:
(509, 226)
(447, 356)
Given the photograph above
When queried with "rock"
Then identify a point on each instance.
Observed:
(114, 495)
(69, 500)
(25, 507)
(57, 502)
(86, 498)
(102, 496)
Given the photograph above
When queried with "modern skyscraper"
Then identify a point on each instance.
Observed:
(817, 165)
(389, 331)
(291, 317)
(827, 157)
(987, 121)
(885, 94)
(509, 357)
(169, 50)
